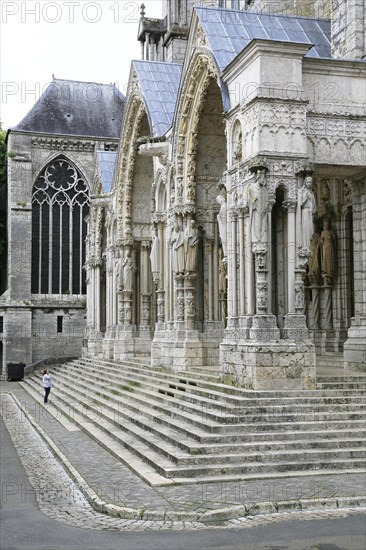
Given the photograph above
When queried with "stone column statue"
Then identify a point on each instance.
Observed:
(190, 246)
(222, 221)
(258, 208)
(177, 244)
(154, 254)
(119, 264)
(306, 201)
(127, 273)
(327, 241)
(314, 264)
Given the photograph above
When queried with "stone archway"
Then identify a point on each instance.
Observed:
(195, 327)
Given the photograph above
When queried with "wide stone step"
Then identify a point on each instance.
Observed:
(207, 408)
(272, 415)
(219, 391)
(192, 466)
(183, 424)
(180, 428)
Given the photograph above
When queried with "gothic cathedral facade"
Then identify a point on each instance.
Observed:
(227, 228)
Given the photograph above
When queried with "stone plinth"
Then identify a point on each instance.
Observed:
(280, 365)
(264, 328)
(177, 350)
(355, 346)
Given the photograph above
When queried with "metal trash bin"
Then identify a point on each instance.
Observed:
(15, 371)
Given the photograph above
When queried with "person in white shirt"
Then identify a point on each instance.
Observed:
(47, 384)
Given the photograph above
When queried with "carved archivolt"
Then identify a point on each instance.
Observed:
(135, 111)
(203, 70)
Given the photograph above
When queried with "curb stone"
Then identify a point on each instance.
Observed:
(218, 515)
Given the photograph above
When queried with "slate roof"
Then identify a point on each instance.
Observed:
(106, 162)
(71, 107)
(229, 31)
(159, 84)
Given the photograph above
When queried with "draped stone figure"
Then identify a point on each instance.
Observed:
(306, 201)
(177, 244)
(258, 208)
(154, 254)
(314, 263)
(327, 240)
(222, 221)
(127, 273)
(190, 246)
(120, 274)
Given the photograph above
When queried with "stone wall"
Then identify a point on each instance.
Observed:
(31, 330)
(348, 29)
(304, 8)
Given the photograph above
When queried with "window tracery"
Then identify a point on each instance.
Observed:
(60, 203)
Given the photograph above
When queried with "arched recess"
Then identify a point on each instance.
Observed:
(201, 160)
(279, 255)
(135, 126)
(134, 205)
(60, 203)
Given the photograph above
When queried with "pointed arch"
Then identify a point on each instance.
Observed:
(60, 203)
(195, 87)
(131, 131)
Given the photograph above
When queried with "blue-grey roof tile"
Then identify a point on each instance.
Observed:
(72, 107)
(159, 84)
(106, 162)
(230, 31)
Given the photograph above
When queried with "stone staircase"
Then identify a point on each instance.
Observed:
(188, 427)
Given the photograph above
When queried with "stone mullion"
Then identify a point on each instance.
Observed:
(70, 248)
(40, 250)
(50, 246)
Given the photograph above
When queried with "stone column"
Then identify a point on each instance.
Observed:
(249, 269)
(97, 298)
(241, 263)
(179, 300)
(216, 310)
(189, 300)
(209, 248)
(291, 257)
(161, 307)
(145, 271)
(232, 271)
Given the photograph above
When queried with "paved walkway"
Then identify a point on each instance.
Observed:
(188, 506)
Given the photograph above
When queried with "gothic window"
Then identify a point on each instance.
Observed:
(60, 203)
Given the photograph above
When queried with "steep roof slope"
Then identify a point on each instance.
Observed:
(229, 31)
(71, 107)
(159, 84)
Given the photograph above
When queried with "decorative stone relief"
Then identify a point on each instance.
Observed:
(222, 222)
(307, 206)
(258, 207)
(190, 246)
(54, 144)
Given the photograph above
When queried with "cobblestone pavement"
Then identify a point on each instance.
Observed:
(60, 498)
